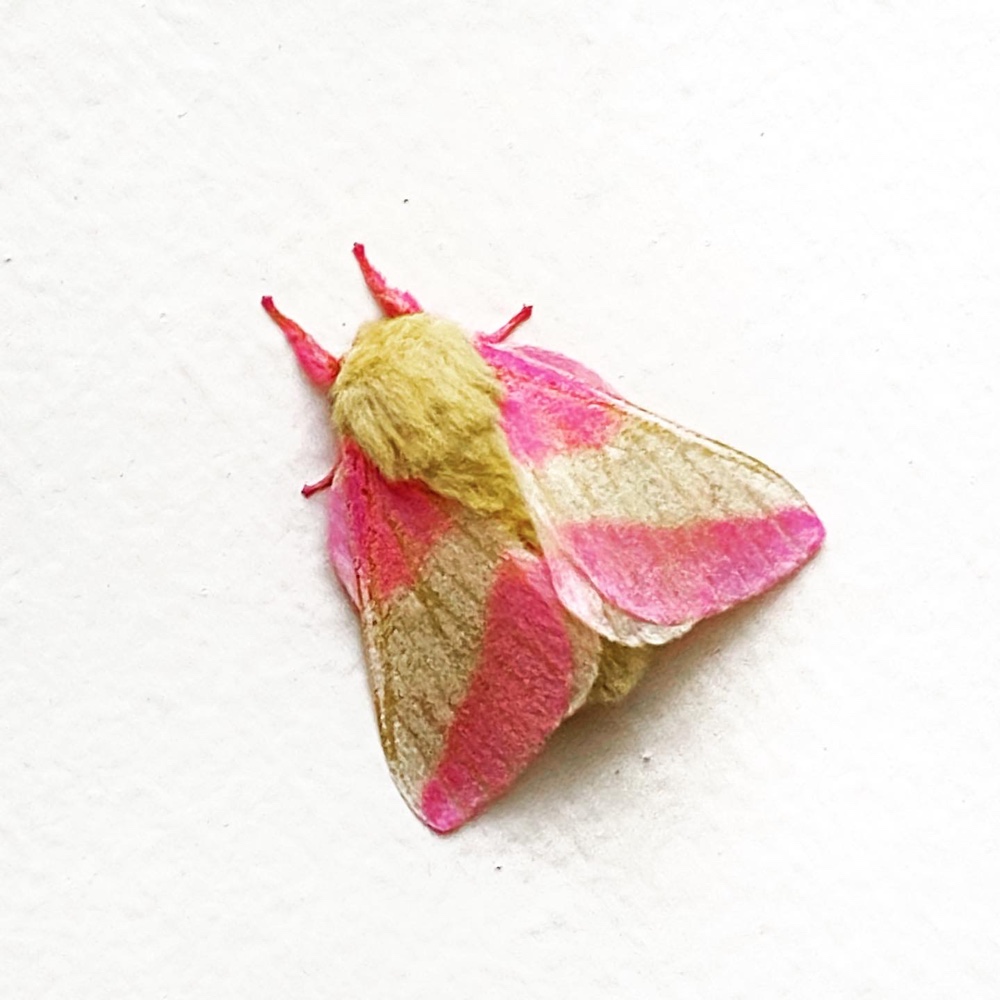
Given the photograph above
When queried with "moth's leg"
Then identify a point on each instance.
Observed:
(508, 328)
(393, 301)
(320, 366)
(323, 484)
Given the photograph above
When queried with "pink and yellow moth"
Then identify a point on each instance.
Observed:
(517, 538)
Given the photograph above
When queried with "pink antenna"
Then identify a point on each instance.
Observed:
(392, 300)
(321, 367)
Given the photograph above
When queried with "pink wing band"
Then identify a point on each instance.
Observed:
(676, 575)
(398, 523)
(517, 696)
(549, 404)
(339, 543)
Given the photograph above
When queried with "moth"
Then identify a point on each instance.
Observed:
(517, 538)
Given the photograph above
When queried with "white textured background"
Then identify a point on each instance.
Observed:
(776, 223)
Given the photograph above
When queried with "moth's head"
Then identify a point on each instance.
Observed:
(410, 383)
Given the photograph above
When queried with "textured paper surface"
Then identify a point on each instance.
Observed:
(777, 227)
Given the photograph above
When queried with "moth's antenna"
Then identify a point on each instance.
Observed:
(320, 366)
(393, 301)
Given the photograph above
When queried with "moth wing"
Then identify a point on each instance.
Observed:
(340, 543)
(472, 658)
(646, 526)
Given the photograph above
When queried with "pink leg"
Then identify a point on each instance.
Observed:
(324, 484)
(319, 366)
(392, 300)
(508, 328)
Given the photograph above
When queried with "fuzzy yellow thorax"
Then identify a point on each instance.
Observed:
(422, 404)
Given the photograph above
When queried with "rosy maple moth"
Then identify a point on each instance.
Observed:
(517, 537)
